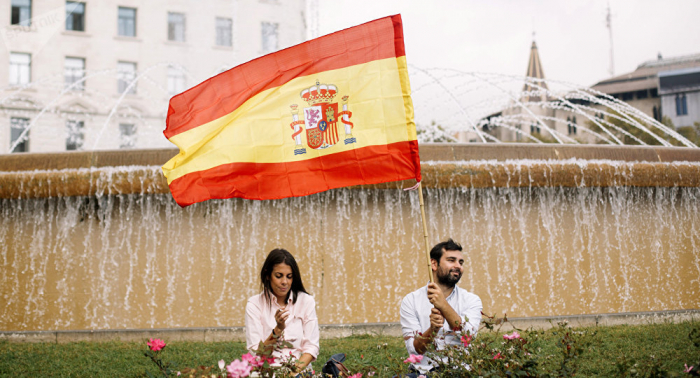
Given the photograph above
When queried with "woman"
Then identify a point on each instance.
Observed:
(284, 310)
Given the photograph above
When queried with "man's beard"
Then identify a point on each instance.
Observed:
(446, 278)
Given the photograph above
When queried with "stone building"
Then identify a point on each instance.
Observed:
(95, 74)
(534, 114)
(661, 87)
(680, 95)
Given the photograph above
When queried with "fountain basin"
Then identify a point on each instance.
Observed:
(93, 240)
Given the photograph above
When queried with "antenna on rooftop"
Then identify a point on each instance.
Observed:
(312, 19)
(608, 22)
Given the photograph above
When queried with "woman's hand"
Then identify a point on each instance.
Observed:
(304, 361)
(281, 316)
(299, 367)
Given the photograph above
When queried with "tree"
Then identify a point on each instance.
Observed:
(632, 130)
(692, 133)
(433, 134)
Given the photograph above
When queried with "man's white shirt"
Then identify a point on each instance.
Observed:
(415, 318)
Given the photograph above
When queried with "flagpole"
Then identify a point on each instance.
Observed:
(425, 230)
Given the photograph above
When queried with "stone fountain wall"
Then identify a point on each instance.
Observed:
(94, 240)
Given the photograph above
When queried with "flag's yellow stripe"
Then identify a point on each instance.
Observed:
(259, 132)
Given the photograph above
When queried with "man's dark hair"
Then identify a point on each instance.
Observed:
(440, 248)
(279, 256)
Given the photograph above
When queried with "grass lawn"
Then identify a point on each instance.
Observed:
(604, 347)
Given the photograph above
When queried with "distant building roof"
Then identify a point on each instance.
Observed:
(646, 75)
(687, 79)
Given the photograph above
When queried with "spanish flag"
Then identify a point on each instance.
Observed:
(328, 113)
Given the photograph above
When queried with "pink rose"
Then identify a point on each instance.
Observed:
(156, 344)
(512, 336)
(254, 361)
(238, 369)
(222, 364)
(466, 340)
(497, 356)
(358, 375)
(413, 359)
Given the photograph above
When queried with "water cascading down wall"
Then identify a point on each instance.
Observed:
(93, 240)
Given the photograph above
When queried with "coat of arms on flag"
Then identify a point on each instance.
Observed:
(321, 119)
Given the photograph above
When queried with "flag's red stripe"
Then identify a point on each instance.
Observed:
(367, 165)
(224, 93)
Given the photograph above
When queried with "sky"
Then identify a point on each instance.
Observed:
(495, 36)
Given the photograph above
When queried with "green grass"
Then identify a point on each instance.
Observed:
(604, 346)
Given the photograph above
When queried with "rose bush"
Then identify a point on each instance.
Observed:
(517, 353)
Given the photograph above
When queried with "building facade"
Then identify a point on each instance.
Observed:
(99, 74)
(680, 96)
(653, 86)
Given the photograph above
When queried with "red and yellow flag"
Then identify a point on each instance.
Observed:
(331, 112)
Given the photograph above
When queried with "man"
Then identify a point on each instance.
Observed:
(431, 313)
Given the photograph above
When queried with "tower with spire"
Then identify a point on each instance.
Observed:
(537, 89)
(528, 114)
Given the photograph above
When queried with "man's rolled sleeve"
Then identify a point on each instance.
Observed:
(409, 323)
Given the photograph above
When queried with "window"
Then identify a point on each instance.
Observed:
(269, 37)
(127, 135)
(127, 22)
(657, 117)
(20, 68)
(176, 27)
(17, 127)
(224, 35)
(74, 71)
(534, 129)
(21, 12)
(642, 94)
(76, 136)
(681, 105)
(176, 80)
(628, 96)
(126, 73)
(75, 16)
(573, 125)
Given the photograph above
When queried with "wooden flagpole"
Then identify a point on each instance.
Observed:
(425, 230)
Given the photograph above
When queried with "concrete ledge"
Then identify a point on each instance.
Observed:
(593, 320)
(333, 331)
(428, 152)
(29, 336)
(440, 174)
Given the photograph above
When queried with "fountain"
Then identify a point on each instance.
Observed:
(93, 240)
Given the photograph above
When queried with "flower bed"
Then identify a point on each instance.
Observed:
(516, 354)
